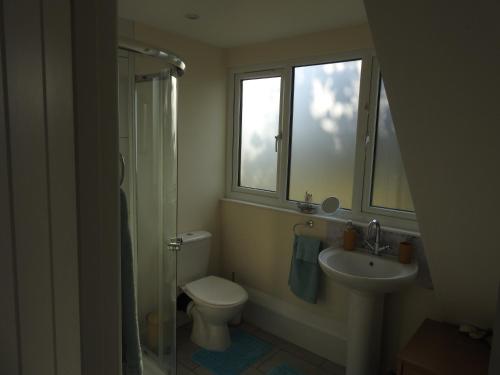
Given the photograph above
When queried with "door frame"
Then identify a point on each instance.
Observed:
(97, 174)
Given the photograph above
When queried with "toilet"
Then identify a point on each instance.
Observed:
(215, 301)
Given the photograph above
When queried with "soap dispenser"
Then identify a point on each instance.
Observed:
(349, 236)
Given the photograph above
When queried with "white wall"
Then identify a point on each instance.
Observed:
(440, 63)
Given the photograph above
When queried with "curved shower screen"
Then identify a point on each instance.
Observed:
(153, 145)
(156, 198)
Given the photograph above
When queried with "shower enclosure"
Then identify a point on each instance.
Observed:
(148, 144)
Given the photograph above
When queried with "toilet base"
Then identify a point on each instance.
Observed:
(215, 338)
(211, 336)
(236, 321)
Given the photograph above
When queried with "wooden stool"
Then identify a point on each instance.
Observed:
(439, 349)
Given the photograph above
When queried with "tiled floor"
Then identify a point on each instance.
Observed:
(282, 352)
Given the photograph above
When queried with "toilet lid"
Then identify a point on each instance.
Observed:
(214, 290)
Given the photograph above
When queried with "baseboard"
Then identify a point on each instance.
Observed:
(325, 337)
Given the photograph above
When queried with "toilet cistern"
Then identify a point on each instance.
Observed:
(374, 233)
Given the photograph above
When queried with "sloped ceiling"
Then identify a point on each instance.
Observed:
(441, 66)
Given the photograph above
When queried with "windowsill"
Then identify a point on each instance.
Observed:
(320, 216)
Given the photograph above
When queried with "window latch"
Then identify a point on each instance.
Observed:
(277, 138)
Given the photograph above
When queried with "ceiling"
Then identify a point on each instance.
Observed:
(229, 23)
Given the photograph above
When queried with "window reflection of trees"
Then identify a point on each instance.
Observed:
(325, 109)
(390, 187)
(259, 124)
(324, 125)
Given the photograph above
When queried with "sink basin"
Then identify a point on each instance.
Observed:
(365, 272)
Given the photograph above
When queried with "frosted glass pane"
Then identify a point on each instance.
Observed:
(390, 188)
(325, 115)
(260, 112)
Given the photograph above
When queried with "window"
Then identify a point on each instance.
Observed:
(389, 187)
(325, 128)
(324, 123)
(260, 119)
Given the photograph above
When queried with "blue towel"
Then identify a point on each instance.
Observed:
(304, 270)
(131, 348)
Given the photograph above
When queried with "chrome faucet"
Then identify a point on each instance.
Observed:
(375, 247)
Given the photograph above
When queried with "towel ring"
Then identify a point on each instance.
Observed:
(308, 223)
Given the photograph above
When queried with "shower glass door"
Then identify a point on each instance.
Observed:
(156, 218)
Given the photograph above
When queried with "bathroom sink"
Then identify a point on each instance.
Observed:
(368, 277)
(365, 272)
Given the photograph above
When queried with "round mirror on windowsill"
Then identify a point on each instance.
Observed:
(330, 205)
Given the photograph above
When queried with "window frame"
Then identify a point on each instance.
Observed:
(360, 124)
(238, 79)
(370, 154)
(360, 211)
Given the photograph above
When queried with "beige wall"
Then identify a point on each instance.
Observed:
(257, 246)
(202, 110)
(441, 75)
(257, 241)
(201, 127)
(309, 45)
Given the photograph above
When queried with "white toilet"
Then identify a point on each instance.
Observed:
(216, 301)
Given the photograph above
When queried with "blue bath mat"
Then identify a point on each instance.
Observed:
(245, 350)
(283, 370)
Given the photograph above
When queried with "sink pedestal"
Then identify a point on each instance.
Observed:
(364, 332)
(369, 277)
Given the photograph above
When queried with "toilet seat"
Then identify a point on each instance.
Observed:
(216, 292)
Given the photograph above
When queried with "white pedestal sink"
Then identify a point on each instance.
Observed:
(368, 277)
